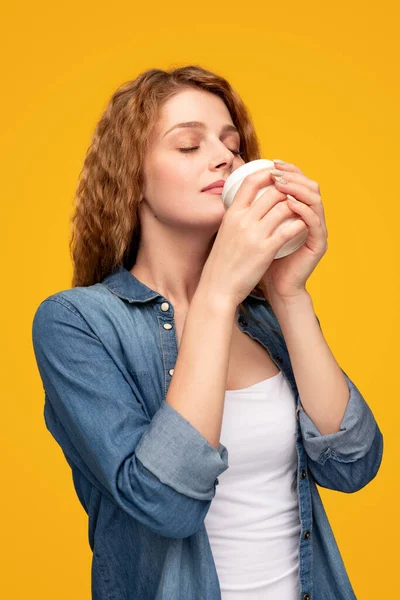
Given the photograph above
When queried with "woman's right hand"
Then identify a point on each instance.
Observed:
(247, 242)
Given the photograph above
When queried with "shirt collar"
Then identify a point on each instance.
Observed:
(125, 285)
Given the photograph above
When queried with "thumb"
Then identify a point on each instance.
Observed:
(250, 186)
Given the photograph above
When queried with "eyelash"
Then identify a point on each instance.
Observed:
(236, 152)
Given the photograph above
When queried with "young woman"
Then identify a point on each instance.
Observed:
(184, 356)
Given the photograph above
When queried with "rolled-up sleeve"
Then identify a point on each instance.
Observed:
(179, 455)
(162, 471)
(349, 459)
(357, 431)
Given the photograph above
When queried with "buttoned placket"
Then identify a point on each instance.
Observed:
(169, 341)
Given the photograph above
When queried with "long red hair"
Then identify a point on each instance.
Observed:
(105, 228)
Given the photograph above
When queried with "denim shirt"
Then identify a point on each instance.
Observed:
(144, 474)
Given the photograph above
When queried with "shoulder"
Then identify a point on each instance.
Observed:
(87, 302)
(93, 309)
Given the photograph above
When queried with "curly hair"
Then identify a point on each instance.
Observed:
(105, 227)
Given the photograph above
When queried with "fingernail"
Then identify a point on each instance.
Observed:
(280, 180)
(280, 162)
(276, 172)
(291, 198)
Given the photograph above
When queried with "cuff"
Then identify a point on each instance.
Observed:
(180, 456)
(357, 431)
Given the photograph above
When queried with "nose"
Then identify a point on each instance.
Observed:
(224, 158)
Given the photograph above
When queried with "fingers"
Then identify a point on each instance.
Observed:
(304, 190)
(286, 166)
(277, 215)
(250, 187)
(265, 202)
(297, 181)
(316, 240)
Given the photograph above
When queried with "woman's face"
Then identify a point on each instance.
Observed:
(173, 177)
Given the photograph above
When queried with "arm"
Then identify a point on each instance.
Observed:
(322, 386)
(94, 414)
(196, 396)
(202, 366)
(340, 433)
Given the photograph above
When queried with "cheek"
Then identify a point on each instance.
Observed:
(173, 182)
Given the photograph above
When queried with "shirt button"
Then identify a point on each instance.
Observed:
(171, 372)
(303, 474)
(167, 326)
(306, 597)
(306, 534)
(242, 320)
(279, 359)
(164, 306)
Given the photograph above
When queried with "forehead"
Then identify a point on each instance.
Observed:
(193, 105)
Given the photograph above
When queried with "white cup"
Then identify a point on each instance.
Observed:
(232, 185)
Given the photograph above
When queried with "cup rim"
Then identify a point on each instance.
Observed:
(244, 170)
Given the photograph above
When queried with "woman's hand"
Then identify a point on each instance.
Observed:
(286, 277)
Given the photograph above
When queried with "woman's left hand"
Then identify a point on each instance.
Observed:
(286, 277)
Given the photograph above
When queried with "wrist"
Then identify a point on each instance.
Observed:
(287, 301)
(215, 300)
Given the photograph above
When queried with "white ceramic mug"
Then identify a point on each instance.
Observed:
(232, 185)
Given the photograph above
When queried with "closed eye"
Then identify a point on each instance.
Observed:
(237, 152)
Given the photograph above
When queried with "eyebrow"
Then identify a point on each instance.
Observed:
(200, 125)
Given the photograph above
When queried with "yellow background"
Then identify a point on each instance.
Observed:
(321, 83)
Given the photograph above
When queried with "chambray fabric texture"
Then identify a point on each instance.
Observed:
(143, 473)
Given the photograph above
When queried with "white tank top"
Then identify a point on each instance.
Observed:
(253, 521)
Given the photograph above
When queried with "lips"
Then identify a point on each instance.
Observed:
(217, 184)
(214, 190)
